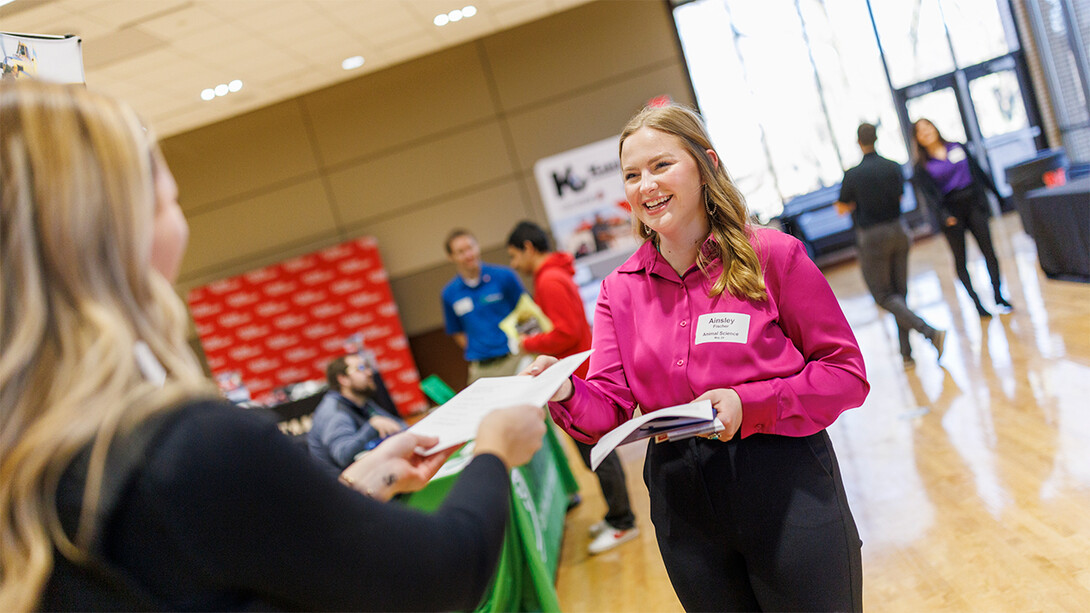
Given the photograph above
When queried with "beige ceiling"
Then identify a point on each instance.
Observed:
(160, 54)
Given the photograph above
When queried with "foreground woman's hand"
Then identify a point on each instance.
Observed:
(394, 467)
(539, 365)
(513, 435)
(728, 408)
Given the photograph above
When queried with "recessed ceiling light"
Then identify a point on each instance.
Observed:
(350, 63)
(455, 15)
(222, 89)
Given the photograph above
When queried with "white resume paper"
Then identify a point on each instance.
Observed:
(456, 421)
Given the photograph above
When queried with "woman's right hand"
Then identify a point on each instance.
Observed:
(539, 365)
(513, 434)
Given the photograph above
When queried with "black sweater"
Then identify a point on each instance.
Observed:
(225, 513)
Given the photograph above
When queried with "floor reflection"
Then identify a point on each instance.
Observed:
(982, 456)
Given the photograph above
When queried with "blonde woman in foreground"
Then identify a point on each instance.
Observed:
(124, 482)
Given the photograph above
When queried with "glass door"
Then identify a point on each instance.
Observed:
(1000, 107)
(939, 106)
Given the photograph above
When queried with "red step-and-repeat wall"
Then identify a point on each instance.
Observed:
(282, 324)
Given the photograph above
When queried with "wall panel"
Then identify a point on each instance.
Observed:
(397, 183)
(245, 154)
(590, 116)
(258, 226)
(582, 47)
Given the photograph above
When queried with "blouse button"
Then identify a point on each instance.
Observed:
(683, 323)
(680, 362)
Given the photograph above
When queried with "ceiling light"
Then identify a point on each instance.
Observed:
(352, 62)
(455, 15)
(222, 89)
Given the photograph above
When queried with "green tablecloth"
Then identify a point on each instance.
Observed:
(540, 491)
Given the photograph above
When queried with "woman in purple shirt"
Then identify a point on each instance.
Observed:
(754, 517)
(952, 181)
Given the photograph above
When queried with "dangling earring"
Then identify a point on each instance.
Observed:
(708, 206)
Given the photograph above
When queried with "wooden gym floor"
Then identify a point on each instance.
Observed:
(969, 479)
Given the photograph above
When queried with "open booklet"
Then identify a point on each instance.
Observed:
(669, 424)
(456, 421)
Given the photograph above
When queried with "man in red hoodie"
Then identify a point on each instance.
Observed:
(558, 296)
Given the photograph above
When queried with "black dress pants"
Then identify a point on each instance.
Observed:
(755, 524)
(970, 208)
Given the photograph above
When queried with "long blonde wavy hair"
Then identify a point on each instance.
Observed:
(729, 220)
(77, 204)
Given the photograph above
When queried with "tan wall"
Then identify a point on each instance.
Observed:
(410, 152)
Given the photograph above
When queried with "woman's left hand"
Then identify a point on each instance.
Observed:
(728, 408)
(394, 467)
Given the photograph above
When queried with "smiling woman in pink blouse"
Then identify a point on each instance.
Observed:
(754, 517)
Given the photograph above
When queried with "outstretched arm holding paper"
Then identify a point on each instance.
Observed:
(512, 434)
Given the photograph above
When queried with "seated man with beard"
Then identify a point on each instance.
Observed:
(348, 420)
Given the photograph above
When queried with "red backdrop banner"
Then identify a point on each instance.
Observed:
(282, 324)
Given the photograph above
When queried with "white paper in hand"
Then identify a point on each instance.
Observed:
(457, 420)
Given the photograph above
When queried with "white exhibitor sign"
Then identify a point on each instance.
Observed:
(58, 59)
(583, 193)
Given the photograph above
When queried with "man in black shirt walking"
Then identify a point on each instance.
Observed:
(872, 193)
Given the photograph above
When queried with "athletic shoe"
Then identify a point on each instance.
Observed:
(610, 537)
(598, 528)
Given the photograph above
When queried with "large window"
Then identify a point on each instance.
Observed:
(1062, 28)
(783, 84)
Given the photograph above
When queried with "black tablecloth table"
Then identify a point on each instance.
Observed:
(1059, 222)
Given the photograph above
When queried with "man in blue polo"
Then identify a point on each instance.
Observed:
(474, 303)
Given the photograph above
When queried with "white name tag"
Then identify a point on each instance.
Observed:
(722, 328)
(956, 155)
(462, 306)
